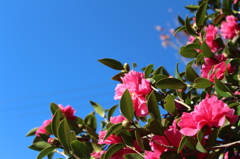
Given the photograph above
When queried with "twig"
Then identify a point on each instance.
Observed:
(134, 149)
(61, 153)
(184, 104)
(224, 145)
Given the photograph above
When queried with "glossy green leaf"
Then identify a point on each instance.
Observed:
(188, 27)
(171, 83)
(220, 91)
(139, 140)
(80, 149)
(126, 137)
(158, 77)
(156, 127)
(112, 63)
(91, 131)
(148, 70)
(44, 137)
(56, 121)
(134, 65)
(189, 51)
(98, 108)
(32, 132)
(49, 128)
(118, 76)
(65, 136)
(179, 29)
(191, 74)
(45, 152)
(200, 59)
(177, 72)
(32, 147)
(169, 104)
(206, 50)
(153, 108)
(183, 142)
(113, 129)
(181, 21)
(111, 111)
(91, 121)
(126, 105)
(200, 136)
(202, 83)
(112, 149)
(41, 144)
(132, 156)
(201, 13)
(54, 107)
(212, 138)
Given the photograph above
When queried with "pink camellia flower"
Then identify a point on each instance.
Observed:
(117, 119)
(235, 1)
(173, 136)
(215, 67)
(97, 155)
(68, 111)
(112, 139)
(229, 28)
(211, 32)
(138, 87)
(210, 112)
(42, 129)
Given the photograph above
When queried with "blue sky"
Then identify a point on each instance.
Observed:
(49, 52)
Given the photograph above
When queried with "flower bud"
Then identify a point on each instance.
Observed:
(54, 142)
(126, 123)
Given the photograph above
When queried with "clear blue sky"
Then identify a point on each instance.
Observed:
(49, 51)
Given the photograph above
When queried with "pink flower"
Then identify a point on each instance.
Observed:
(138, 87)
(215, 67)
(117, 119)
(97, 154)
(211, 32)
(229, 28)
(151, 155)
(235, 1)
(42, 129)
(173, 136)
(210, 112)
(112, 139)
(68, 111)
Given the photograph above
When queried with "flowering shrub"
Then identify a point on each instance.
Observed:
(191, 114)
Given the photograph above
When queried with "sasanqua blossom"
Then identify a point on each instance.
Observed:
(68, 111)
(210, 112)
(229, 28)
(139, 87)
(42, 129)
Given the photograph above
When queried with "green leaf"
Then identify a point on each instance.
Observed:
(202, 83)
(126, 137)
(134, 65)
(156, 127)
(200, 14)
(179, 29)
(111, 111)
(113, 129)
(80, 149)
(126, 105)
(55, 122)
(153, 108)
(32, 147)
(177, 72)
(169, 104)
(45, 152)
(41, 144)
(139, 140)
(200, 59)
(200, 135)
(112, 63)
(91, 121)
(65, 136)
(189, 51)
(98, 108)
(91, 131)
(189, 28)
(182, 143)
(32, 132)
(191, 74)
(148, 70)
(54, 107)
(132, 156)
(206, 50)
(171, 83)
(212, 138)
(158, 77)
(118, 76)
(112, 149)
